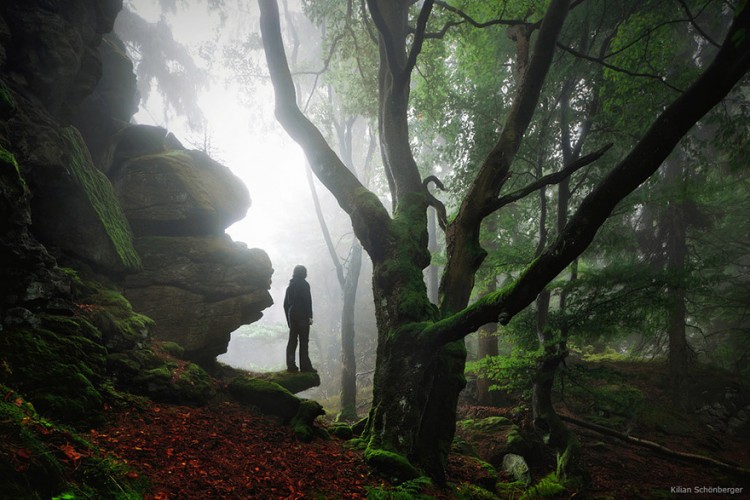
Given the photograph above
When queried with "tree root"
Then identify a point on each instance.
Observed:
(690, 457)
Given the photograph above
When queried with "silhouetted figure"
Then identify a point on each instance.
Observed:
(299, 317)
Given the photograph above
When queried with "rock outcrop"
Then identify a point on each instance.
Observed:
(50, 65)
(126, 205)
(68, 336)
(171, 191)
(199, 289)
(196, 283)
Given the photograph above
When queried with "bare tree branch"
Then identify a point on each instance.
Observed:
(416, 46)
(486, 24)
(695, 24)
(690, 457)
(607, 65)
(554, 178)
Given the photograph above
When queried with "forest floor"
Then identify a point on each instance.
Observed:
(225, 450)
(625, 470)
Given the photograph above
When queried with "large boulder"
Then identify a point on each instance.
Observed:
(179, 193)
(64, 93)
(196, 283)
(199, 289)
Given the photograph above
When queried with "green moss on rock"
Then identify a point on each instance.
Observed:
(106, 308)
(488, 424)
(132, 363)
(173, 349)
(302, 422)
(148, 373)
(269, 397)
(7, 103)
(103, 199)
(8, 161)
(293, 382)
(58, 364)
(194, 385)
(391, 464)
(341, 430)
(514, 439)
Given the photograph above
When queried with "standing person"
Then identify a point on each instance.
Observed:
(299, 317)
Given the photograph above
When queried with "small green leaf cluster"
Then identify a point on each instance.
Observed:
(509, 373)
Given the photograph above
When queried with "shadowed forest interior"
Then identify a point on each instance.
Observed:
(525, 227)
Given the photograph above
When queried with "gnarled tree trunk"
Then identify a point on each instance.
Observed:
(419, 371)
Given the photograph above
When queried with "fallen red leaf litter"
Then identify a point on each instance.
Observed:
(229, 451)
(226, 450)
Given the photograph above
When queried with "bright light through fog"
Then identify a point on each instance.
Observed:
(240, 132)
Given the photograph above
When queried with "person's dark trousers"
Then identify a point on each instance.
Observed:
(298, 331)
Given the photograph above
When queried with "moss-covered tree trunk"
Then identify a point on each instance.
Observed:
(420, 357)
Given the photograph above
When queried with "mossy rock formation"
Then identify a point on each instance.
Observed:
(69, 338)
(179, 193)
(273, 399)
(293, 382)
(58, 362)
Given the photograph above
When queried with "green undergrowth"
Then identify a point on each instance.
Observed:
(413, 489)
(550, 486)
(601, 394)
(59, 362)
(41, 459)
(422, 488)
(510, 374)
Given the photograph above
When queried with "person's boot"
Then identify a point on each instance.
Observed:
(291, 347)
(305, 364)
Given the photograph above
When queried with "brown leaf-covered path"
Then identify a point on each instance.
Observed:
(229, 451)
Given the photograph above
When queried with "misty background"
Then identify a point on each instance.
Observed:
(202, 75)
